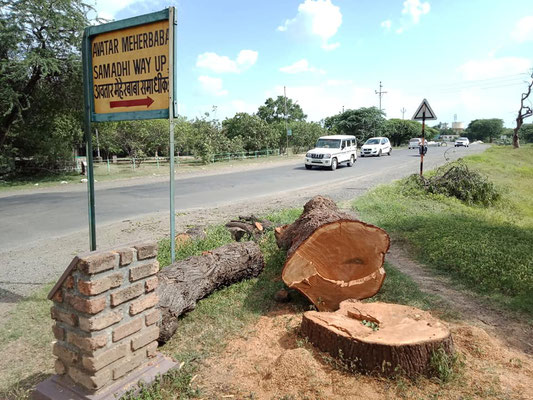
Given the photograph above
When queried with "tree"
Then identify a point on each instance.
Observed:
(38, 41)
(253, 131)
(401, 130)
(483, 129)
(526, 133)
(363, 123)
(524, 112)
(274, 110)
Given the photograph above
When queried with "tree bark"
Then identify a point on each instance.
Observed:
(379, 338)
(332, 256)
(184, 283)
(523, 112)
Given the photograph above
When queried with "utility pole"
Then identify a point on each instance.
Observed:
(286, 132)
(97, 146)
(343, 109)
(380, 93)
(403, 110)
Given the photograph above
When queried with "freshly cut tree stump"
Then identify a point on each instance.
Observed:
(185, 282)
(380, 338)
(332, 256)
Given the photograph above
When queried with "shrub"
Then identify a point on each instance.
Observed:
(457, 180)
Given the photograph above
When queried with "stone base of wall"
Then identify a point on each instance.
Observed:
(61, 387)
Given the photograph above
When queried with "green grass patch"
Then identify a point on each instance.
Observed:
(487, 249)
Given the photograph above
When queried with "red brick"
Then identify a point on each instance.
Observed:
(120, 296)
(127, 329)
(94, 287)
(142, 271)
(66, 355)
(60, 367)
(59, 333)
(87, 343)
(91, 382)
(66, 317)
(152, 317)
(89, 306)
(58, 296)
(69, 282)
(105, 358)
(151, 349)
(146, 336)
(143, 303)
(99, 262)
(151, 284)
(129, 364)
(146, 250)
(100, 322)
(126, 256)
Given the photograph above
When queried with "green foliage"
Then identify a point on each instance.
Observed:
(38, 42)
(485, 129)
(363, 123)
(274, 110)
(253, 132)
(526, 133)
(457, 180)
(444, 365)
(399, 131)
(485, 248)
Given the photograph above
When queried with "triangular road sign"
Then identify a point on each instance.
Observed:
(424, 108)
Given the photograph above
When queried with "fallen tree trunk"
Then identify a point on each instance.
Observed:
(379, 338)
(332, 256)
(184, 283)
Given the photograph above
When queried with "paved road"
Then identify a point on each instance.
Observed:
(29, 217)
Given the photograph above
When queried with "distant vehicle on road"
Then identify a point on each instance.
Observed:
(414, 143)
(330, 151)
(462, 141)
(376, 146)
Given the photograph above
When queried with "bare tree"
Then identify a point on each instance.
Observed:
(523, 112)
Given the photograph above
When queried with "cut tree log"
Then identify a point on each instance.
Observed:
(193, 233)
(184, 283)
(332, 256)
(251, 226)
(379, 338)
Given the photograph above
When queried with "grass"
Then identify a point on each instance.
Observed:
(487, 249)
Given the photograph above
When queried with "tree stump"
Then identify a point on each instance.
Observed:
(379, 338)
(184, 283)
(332, 256)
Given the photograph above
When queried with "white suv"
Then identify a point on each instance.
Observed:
(330, 151)
(376, 146)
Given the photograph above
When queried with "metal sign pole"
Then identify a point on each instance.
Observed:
(171, 122)
(86, 50)
(423, 143)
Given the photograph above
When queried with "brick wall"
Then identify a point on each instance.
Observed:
(105, 319)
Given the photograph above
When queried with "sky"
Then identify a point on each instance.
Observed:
(470, 59)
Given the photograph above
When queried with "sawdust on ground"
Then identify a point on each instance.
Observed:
(274, 362)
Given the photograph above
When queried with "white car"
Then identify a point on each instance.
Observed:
(462, 141)
(376, 146)
(414, 143)
(330, 151)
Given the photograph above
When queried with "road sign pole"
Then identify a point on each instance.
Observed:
(171, 22)
(86, 51)
(423, 143)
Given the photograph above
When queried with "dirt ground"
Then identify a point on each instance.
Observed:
(275, 362)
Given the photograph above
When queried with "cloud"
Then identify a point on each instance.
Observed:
(494, 67)
(317, 18)
(415, 8)
(223, 64)
(386, 24)
(212, 85)
(523, 30)
(299, 67)
(108, 9)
